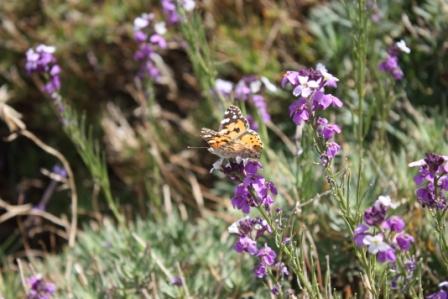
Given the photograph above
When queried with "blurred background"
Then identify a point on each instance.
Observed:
(161, 186)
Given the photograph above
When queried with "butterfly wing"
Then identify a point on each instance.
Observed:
(233, 123)
(247, 145)
(234, 138)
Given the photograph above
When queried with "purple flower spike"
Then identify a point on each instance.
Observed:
(41, 60)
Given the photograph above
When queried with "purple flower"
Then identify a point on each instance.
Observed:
(441, 294)
(267, 258)
(170, 11)
(223, 87)
(375, 215)
(322, 101)
(42, 60)
(404, 241)
(299, 111)
(327, 130)
(433, 179)
(176, 281)
(39, 288)
(386, 256)
(390, 63)
(246, 244)
(242, 199)
(359, 234)
(276, 290)
(289, 79)
(332, 149)
(329, 79)
(261, 270)
(394, 223)
(267, 255)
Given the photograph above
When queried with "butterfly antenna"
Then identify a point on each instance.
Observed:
(196, 147)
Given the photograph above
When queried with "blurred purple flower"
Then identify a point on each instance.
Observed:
(390, 63)
(433, 179)
(176, 281)
(246, 244)
(41, 60)
(404, 241)
(386, 256)
(39, 288)
(394, 223)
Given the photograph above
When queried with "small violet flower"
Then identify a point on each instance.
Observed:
(432, 181)
(390, 63)
(39, 288)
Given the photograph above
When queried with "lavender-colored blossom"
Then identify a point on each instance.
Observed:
(386, 256)
(170, 11)
(394, 223)
(267, 255)
(390, 63)
(326, 130)
(41, 60)
(432, 178)
(375, 215)
(322, 101)
(332, 150)
(275, 290)
(223, 87)
(298, 111)
(39, 288)
(441, 294)
(404, 241)
(246, 244)
(359, 234)
(176, 281)
(267, 258)
(375, 243)
(329, 79)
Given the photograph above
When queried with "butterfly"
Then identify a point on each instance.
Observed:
(234, 138)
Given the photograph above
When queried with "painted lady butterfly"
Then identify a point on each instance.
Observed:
(234, 138)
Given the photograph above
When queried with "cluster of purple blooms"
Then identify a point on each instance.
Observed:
(442, 293)
(39, 288)
(170, 9)
(390, 63)
(249, 230)
(248, 89)
(253, 191)
(432, 179)
(382, 236)
(150, 38)
(41, 60)
(308, 86)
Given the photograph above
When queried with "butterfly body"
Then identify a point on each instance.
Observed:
(234, 138)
